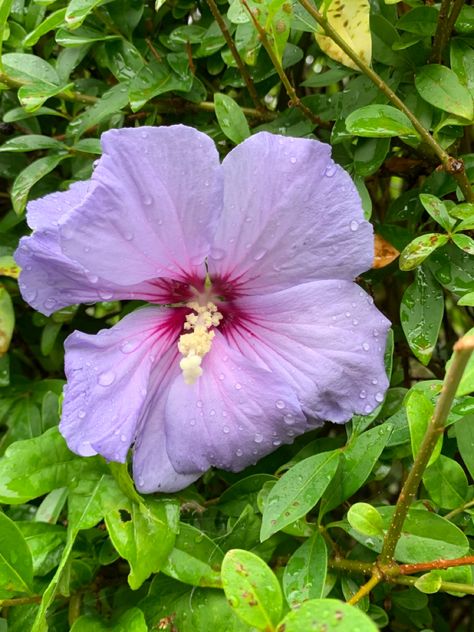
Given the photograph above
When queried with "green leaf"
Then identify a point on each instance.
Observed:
(464, 242)
(30, 69)
(82, 35)
(425, 537)
(419, 412)
(419, 249)
(7, 320)
(446, 483)
(88, 145)
(420, 21)
(154, 79)
(231, 119)
(195, 558)
(33, 96)
(462, 63)
(421, 313)
(369, 155)
(8, 267)
(298, 491)
(453, 268)
(465, 440)
(429, 583)
(131, 620)
(78, 10)
(365, 519)
(45, 542)
(379, 121)
(31, 142)
(144, 535)
(30, 176)
(110, 103)
(304, 576)
(441, 87)
(34, 467)
(252, 589)
(330, 615)
(438, 211)
(5, 8)
(50, 23)
(358, 460)
(16, 565)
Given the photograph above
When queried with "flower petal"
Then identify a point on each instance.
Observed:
(49, 280)
(234, 414)
(152, 468)
(325, 338)
(291, 215)
(108, 376)
(153, 207)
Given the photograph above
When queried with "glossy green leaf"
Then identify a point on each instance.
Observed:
(421, 313)
(464, 242)
(195, 558)
(51, 22)
(462, 63)
(304, 576)
(30, 176)
(438, 211)
(252, 589)
(231, 119)
(425, 537)
(30, 69)
(441, 87)
(419, 412)
(429, 583)
(111, 102)
(446, 483)
(328, 615)
(420, 21)
(419, 249)
(357, 462)
(7, 320)
(45, 542)
(78, 10)
(82, 35)
(298, 491)
(131, 620)
(144, 535)
(379, 121)
(34, 467)
(154, 79)
(31, 142)
(16, 565)
(365, 519)
(465, 440)
(369, 155)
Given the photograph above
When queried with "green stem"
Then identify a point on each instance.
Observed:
(366, 588)
(453, 16)
(453, 166)
(77, 97)
(462, 352)
(294, 98)
(459, 510)
(235, 54)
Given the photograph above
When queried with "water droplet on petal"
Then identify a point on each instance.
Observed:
(199, 403)
(221, 376)
(107, 378)
(123, 438)
(354, 225)
(375, 381)
(379, 397)
(81, 414)
(276, 442)
(105, 296)
(147, 200)
(293, 160)
(363, 394)
(289, 419)
(368, 409)
(217, 254)
(280, 404)
(226, 429)
(365, 346)
(260, 254)
(258, 438)
(128, 347)
(238, 386)
(330, 170)
(93, 278)
(238, 452)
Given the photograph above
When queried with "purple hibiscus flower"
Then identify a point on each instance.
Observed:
(261, 333)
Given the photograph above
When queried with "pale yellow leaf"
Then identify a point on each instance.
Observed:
(350, 18)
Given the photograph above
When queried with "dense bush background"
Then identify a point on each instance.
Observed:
(79, 549)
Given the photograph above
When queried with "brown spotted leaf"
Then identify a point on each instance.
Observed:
(384, 252)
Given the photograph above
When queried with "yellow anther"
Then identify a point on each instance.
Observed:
(197, 343)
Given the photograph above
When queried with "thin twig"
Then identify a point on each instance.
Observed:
(442, 34)
(366, 588)
(453, 16)
(409, 569)
(459, 510)
(294, 98)
(235, 54)
(453, 166)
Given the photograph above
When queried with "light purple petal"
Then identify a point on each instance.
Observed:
(325, 338)
(233, 415)
(108, 379)
(291, 215)
(152, 209)
(152, 468)
(49, 280)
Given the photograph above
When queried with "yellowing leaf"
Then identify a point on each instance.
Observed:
(350, 18)
(384, 252)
